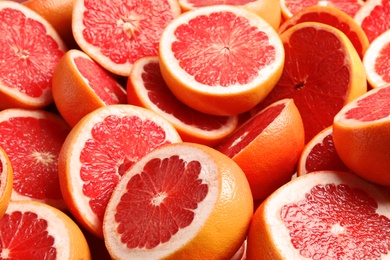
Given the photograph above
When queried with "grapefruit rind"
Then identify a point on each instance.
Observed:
(6, 179)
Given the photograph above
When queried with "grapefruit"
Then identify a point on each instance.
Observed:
(117, 33)
(147, 88)
(361, 135)
(30, 49)
(220, 60)
(80, 85)
(322, 215)
(98, 151)
(6, 178)
(180, 201)
(322, 72)
(32, 140)
(267, 147)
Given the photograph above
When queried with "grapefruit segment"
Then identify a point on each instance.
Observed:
(185, 200)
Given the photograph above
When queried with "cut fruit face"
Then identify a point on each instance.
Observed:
(127, 30)
(220, 60)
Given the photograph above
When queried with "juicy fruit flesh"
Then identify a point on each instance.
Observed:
(339, 222)
(377, 22)
(372, 107)
(25, 236)
(33, 158)
(163, 197)
(201, 3)
(125, 30)
(161, 96)
(102, 84)
(116, 144)
(28, 55)
(243, 136)
(225, 50)
(382, 67)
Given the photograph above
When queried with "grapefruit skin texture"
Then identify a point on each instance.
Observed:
(6, 179)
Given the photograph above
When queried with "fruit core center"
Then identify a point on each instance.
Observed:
(44, 158)
(23, 54)
(158, 199)
(300, 85)
(130, 24)
(337, 229)
(4, 253)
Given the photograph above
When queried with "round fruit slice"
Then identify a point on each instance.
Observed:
(80, 85)
(221, 59)
(32, 140)
(361, 135)
(6, 179)
(319, 154)
(29, 51)
(334, 17)
(376, 62)
(180, 201)
(117, 33)
(269, 10)
(99, 150)
(373, 17)
(322, 215)
(34, 230)
(267, 147)
(322, 73)
(147, 88)
(291, 7)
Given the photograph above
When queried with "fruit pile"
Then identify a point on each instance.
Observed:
(183, 129)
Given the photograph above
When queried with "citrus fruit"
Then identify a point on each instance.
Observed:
(6, 178)
(291, 7)
(267, 147)
(98, 151)
(376, 62)
(34, 230)
(220, 60)
(322, 215)
(146, 88)
(269, 10)
(58, 14)
(29, 51)
(80, 85)
(319, 154)
(32, 140)
(180, 201)
(361, 135)
(373, 17)
(117, 33)
(322, 72)
(334, 17)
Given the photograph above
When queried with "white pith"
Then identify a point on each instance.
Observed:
(3, 174)
(209, 175)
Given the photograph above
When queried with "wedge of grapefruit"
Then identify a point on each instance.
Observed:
(30, 48)
(147, 88)
(322, 72)
(221, 59)
(322, 215)
(6, 179)
(267, 147)
(117, 33)
(98, 151)
(361, 135)
(180, 201)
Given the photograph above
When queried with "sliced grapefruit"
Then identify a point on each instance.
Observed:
(6, 179)
(221, 59)
(322, 73)
(29, 51)
(80, 85)
(147, 88)
(361, 135)
(98, 151)
(180, 201)
(32, 140)
(376, 62)
(267, 147)
(334, 17)
(373, 17)
(319, 154)
(322, 215)
(117, 33)
(269, 10)
(34, 230)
